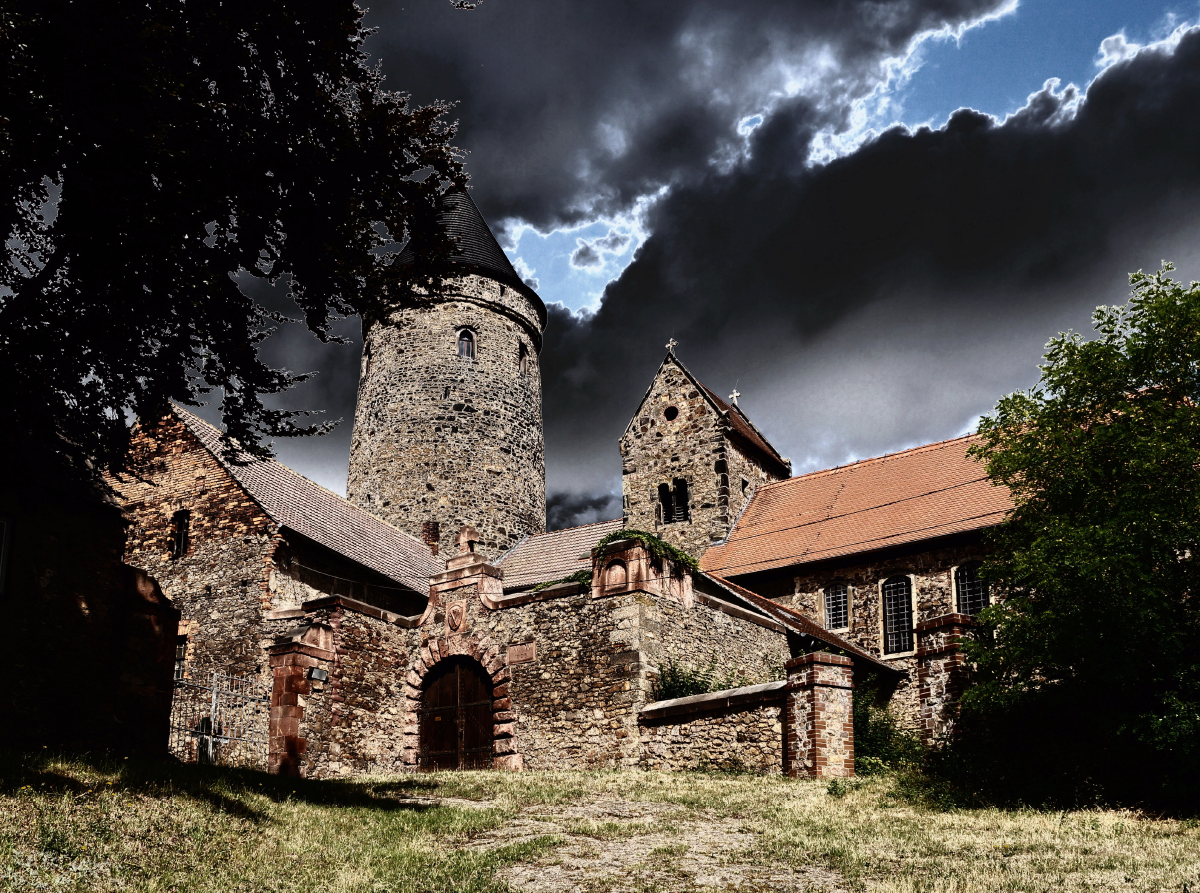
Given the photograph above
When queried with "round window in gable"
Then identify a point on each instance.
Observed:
(670, 413)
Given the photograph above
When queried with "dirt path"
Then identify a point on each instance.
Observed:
(619, 845)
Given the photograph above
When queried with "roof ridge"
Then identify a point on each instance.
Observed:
(868, 461)
(361, 511)
(576, 527)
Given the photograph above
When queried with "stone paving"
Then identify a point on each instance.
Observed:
(619, 845)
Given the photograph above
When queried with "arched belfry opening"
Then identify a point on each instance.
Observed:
(456, 716)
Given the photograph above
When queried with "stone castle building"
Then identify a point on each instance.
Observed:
(430, 621)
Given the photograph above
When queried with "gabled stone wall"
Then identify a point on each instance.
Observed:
(695, 445)
(221, 586)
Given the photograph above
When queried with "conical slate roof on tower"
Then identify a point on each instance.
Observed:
(476, 249)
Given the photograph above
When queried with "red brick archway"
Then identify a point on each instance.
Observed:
(488, 655)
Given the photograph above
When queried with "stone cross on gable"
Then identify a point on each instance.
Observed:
(671, 345)
(733, 397)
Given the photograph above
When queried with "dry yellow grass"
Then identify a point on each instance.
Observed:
(70, 824)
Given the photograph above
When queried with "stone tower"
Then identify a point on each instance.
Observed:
(448, 429)
(690, 461)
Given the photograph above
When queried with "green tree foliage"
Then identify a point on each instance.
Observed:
(1097, 638)
(151, 148)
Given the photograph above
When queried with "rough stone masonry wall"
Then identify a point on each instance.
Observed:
(745, 738)
(694, 446)
(438, 437)
(575, 703)
(931, 573)
(704, 636)
(353, 723)
(220, 585)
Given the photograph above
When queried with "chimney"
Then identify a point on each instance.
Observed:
(431, 532)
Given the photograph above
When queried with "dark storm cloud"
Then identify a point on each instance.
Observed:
(574, 108)
(572, 509)
(886, 298)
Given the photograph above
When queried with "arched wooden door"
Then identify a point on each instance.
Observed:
(456, 716)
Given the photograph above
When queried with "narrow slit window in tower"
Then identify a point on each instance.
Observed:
(180, 522)
(466, 344)
(523, 360)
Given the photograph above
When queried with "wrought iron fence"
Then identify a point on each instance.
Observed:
(225, 722)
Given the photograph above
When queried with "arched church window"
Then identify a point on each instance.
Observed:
(837, 606)
(971, 591)
(466, 344)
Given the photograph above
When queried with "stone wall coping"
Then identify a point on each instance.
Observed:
(818, 657)
(340, 601)
(619, 545)
(741, 613)
(461, 573)
(746, 696)
(560, 590)
(951, 619)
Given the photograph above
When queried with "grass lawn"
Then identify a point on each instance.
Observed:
(110, 824)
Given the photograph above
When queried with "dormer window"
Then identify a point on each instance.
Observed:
(466, 344)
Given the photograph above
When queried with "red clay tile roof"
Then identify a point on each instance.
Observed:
(797, 622)
(900, 498)
(551, 556)
(745, 429)
(295, 502)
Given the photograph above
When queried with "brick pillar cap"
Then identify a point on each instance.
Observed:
(818, 657)
(951, 619)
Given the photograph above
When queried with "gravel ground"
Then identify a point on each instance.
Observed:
(619, 845)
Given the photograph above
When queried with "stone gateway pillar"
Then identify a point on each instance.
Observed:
(819, 716)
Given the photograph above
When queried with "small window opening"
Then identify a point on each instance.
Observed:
(665, 509)
(523, 360)
(180, 533)
(837, 606)
(670, 413)
(466, 344)
(972, 592)
(180, 656)
(897, 615)
(673, 501)
(745, 486)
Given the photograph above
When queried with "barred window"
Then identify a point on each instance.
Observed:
(180, 656)
(972, 592)
(897, 615)
(837, 606)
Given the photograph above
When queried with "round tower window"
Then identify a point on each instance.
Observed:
(670, 413)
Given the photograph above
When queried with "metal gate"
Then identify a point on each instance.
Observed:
(223, 723)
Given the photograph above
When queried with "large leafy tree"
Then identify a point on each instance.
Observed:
(151, 148)
(1099, 562)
